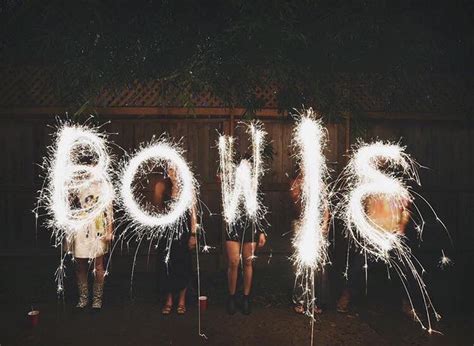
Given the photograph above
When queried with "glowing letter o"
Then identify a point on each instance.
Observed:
(158, 152)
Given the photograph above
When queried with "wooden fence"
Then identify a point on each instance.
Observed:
(23, 143)
(445, 147)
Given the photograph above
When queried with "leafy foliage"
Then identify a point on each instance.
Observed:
(231, 48)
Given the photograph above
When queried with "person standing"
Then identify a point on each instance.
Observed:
(241, 244)
(389, 214)
(174, 262)
(89, 245)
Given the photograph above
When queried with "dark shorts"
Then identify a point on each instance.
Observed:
(242, 234)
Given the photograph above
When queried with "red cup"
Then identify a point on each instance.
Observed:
(33, 317)
(203, 303)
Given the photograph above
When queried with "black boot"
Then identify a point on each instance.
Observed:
(231, 309)
(246, 306)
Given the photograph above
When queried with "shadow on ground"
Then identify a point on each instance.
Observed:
(135, 319)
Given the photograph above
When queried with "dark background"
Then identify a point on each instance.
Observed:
(443, 146)
(398, 71)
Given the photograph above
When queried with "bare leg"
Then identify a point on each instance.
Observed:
(98, 283)
(81, 277)
(169, 299)
(99, 270)
(167, 306)
(233, 259)
(81, 269)
(248, 252)
(182, 302)
(182, 297)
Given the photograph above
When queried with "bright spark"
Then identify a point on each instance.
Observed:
(444, 261)
(369, 181)
(309, 242)
(77, 161)
(164, 155)
(386, 241)
(69, 176)
(240, 184)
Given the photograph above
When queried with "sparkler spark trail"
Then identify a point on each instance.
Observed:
(160, 154)
(77, 160)
(144, 220)
(444, 261)
(239, 184)
(376, 240)
(383, 240)
(309, 241)
(147, 222)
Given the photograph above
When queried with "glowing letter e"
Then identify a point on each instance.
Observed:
(368, 180)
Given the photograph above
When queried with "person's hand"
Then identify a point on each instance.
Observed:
(108, 237)
(192, 242)
(262, 239)
(325, 230)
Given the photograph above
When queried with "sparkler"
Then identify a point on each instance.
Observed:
(161, 155)
(370, 181)
(239, 184)
(309, 241)
(77, 160)
(384, 242)
(149, 222)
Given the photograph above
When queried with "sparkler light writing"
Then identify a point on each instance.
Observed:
(70, 175)
(164, 155)
(77, 160)
(240, 184)
(309, 242)
(383, 238)
(152, 224)
(370, 181)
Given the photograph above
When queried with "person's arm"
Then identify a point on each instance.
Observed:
(295, 194)
(325, 224)
(405, 217)
(194, 228)
(262, 238)
(109, 232)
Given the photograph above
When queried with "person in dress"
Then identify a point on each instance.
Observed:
(241, 243)
(88, 247)
(174, 261)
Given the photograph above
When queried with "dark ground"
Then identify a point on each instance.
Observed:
(374, 320)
